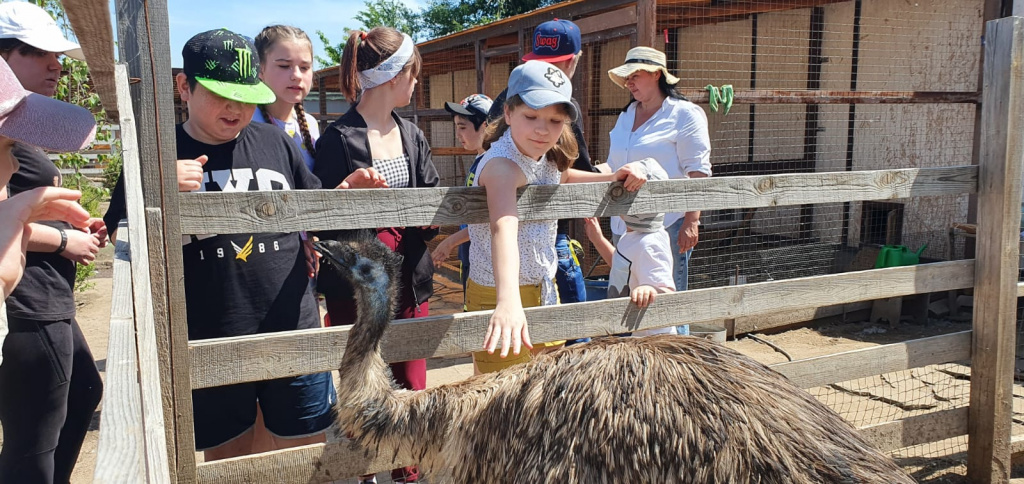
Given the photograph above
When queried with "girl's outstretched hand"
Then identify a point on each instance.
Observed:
(364, 178)
(508, 325)
(632, 175)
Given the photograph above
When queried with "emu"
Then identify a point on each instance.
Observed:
(655, 409)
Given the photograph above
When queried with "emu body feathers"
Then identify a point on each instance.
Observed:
(617, 410)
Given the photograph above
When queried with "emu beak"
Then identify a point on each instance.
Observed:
(326, 252)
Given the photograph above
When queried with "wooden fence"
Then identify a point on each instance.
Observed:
(147, 428)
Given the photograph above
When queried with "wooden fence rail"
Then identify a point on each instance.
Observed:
(157, 433)
(225, 361)
(293, 211)
(120, 455)
(337, 460)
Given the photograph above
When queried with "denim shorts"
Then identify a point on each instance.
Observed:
(292, 407)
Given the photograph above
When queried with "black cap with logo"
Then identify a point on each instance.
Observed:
(226, 63)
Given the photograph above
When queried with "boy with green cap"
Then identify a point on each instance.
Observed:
(240, 284)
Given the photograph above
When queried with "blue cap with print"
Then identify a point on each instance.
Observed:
(540, 85)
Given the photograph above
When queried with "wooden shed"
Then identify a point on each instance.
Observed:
(821, 85)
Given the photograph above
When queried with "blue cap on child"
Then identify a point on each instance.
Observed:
(540, 85)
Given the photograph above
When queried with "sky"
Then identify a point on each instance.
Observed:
(248, 17)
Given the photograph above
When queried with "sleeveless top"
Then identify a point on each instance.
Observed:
(538, 260)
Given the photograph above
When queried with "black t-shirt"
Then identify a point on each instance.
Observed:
(582, 163)
(46, 292)
(242, 284)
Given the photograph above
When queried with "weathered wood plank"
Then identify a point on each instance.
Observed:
(307, 464)
(878, 360)
(333, 461)
(916, 430)
(764, 322)
(292, 211)
(999, 197)
(91, 22)
(783, 96)
(261, 357)
(120, 455)
(514, 24)
(143, 37)
(154, 410)
(605, 21)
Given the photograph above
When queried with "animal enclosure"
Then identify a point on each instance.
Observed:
(855, 123)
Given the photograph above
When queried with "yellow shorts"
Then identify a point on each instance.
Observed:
(483, 298)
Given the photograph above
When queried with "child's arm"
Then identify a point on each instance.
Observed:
(603, 246)
(644, 295)
(444, 249)
(632, 175)
(508, 323)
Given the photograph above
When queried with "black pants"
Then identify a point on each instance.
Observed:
(49, 389)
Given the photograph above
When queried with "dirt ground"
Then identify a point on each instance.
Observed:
(862, 402)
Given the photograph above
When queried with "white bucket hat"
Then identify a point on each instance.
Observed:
(642, 59)
(34, 26)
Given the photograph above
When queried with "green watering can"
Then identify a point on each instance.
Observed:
(898, 255)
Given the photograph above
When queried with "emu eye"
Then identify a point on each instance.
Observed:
(366, 270)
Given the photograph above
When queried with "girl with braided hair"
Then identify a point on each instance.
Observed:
(286, 66)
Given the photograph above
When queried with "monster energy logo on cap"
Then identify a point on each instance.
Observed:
(244, 63)
(222, 62)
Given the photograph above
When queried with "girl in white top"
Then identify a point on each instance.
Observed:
(532, 144)
(286, 66)
(661, 124)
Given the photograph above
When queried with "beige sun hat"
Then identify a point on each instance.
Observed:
(642, 59)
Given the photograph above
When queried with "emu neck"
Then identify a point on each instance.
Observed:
(362, 369)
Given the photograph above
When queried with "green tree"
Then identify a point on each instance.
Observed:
(333, 51)
(443, 17)
(390, 13)
(375, 13)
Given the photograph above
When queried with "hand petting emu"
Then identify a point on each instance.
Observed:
(655, 409)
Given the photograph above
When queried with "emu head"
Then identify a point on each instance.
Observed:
(362, 260)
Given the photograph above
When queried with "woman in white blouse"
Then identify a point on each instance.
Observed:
(660, 123)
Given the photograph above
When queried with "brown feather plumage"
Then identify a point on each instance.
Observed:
(655, 409)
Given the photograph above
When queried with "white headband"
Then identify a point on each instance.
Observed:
(390, 68)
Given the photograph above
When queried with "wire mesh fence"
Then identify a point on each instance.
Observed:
(875, 49)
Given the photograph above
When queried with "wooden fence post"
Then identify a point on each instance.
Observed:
(143, 38)
(646, 22)
(999, 197)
